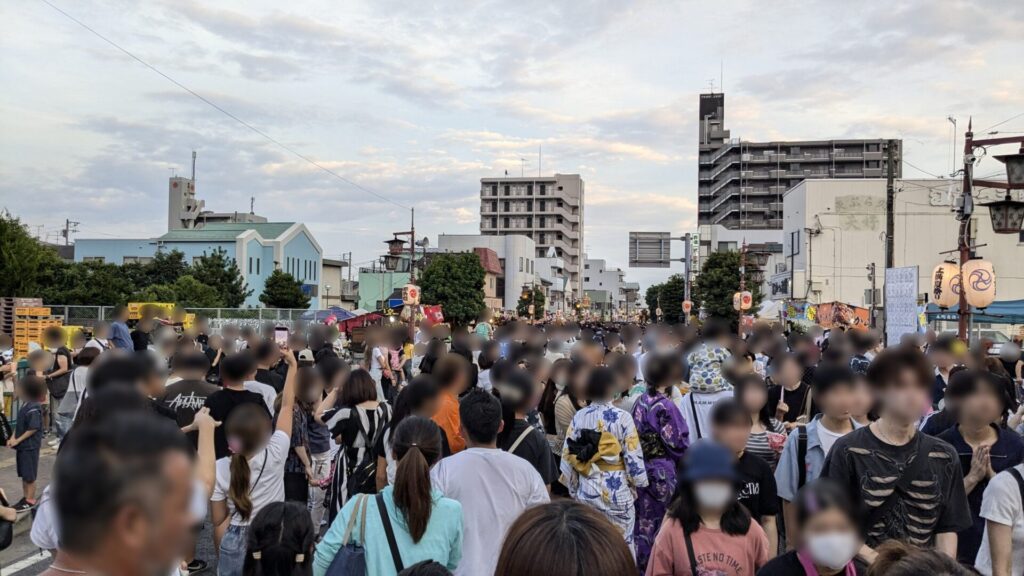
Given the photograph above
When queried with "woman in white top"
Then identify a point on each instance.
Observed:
(253, 476)
(378, 362)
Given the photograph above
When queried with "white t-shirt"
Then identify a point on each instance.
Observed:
(698, 413)
(494, 487)
(483, 380)
(827, 437)
(1001, 504)
(265, 390)
(266, 477)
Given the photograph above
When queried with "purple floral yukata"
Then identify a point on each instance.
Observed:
(664, 437)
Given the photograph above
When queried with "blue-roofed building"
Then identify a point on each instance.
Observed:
(258, 248)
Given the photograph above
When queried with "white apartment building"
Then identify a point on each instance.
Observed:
(608, 288)
(833, 229)
(516, 252)
(546, 209)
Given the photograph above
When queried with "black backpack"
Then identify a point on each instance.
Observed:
(362, 475)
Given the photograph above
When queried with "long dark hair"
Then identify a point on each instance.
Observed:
(417, 447)
(661, 370)
(280, 541)
(247, 428)
(735, 518)
(748, 382)
(575, 369)
(547, 399)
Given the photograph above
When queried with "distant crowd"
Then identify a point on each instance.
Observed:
(518, 449)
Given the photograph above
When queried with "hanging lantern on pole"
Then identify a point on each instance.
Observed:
(737, 301)
(746, 300)
(979, 283)
(943, 278)
(687, 306)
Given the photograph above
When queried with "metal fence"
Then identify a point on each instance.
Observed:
(92, 315)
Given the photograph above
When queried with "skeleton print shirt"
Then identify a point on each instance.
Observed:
(910, 509)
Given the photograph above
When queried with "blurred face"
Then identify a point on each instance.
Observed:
(830, 538)
(154, 533)
(983, 406)
(863, 399)
(942, 359)
(788, 374)
(579, 383)
(430, 407)
(754, 398)
(733, 436)
(837, 402)
(906, 398)
(713, 494)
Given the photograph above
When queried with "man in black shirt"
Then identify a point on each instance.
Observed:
(730, 427)
(909, 485)
(186, 396)
(267, 355)
(234, 371)
(141, 336)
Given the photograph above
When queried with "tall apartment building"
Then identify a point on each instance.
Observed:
(740, 184)
(548, 210)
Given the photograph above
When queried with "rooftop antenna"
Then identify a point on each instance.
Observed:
(540, 159)
(252, 205)
(721, 76)
(711, 84)
(522, 167)
(193, 166)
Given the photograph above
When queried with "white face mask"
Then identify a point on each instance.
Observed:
(714, 495)
(833, 550)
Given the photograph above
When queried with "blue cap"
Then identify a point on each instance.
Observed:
(707, 460)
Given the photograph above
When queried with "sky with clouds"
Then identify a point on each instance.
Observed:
(416, 101)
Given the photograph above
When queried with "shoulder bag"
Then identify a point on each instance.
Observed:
(386, 521)
(351, 557)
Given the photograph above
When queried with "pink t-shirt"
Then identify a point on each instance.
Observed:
(717, 553)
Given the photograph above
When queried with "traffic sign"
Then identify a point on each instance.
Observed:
(650, 249)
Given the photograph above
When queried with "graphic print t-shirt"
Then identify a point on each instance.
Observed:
(871, 469)
(185, 398)
(757, 486)
(716, 553)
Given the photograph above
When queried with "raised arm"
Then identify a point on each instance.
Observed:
(284, 416)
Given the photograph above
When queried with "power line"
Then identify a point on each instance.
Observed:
(999, 124)
(905, 161)
(213, 105)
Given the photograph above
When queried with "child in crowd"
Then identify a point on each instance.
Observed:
(28, 437)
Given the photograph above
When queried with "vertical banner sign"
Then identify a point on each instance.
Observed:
(900, 303)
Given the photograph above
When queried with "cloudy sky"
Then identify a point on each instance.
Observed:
(416, 101)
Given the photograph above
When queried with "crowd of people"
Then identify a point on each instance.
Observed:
(520, 449)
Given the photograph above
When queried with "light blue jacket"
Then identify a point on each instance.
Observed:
(442, 542)
(787, 473)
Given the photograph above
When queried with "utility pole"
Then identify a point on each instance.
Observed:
(964, 237)
(66, 233)
(874, 303)
(890, 206)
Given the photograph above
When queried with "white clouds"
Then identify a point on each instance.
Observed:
(417, 102)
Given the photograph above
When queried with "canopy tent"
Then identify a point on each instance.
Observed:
(1001, 312)
(771, 309)
(340, 314)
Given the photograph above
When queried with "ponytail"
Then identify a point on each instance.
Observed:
(238, 490)
(417, 446)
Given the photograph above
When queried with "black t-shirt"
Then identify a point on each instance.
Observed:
(221, 403)
(757, 486)
(789, 565)
(140, 340)
(270, 378)
(935, 502)
(534, 448)
(185, 398)
(795, 399)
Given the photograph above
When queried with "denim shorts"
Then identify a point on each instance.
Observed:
(232, 551)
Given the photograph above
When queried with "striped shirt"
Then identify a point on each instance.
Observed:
(768, 444)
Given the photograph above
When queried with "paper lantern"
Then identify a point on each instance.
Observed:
(979, 283)
(410, 294)
(687, 306)
(943, 277)
(746, 300)
(736, 301)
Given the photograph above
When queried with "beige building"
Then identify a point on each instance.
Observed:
(834, 229)
(548, 210)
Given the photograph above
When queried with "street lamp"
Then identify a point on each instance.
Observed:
(1008, 214)
(327, 295)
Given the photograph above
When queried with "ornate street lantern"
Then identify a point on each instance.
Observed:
(1008, 214)
(758, 259)
(1014, 167)
(943, 278)
(979, 283)
(395, 245)
(391, 262)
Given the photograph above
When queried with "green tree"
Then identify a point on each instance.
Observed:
(456, 282)
(85, 284)
(219, 271)
(189, 292)
(718, 280)
(155, 293)
(165, 267)
(23, 260)
(282, 290)
(671, 294)
(533, 296)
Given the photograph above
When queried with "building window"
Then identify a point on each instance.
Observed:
(494, 206)
(257, 265)
(250, 265)
(586, 278)
(543, 237)
(558, 236)
(506, 189)
(494, 189)
(529, 189)
(505, 222)
(543, 189)
(520, 263)
(99, 259)
(494, 221)
(505, 206)
(586, 266)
